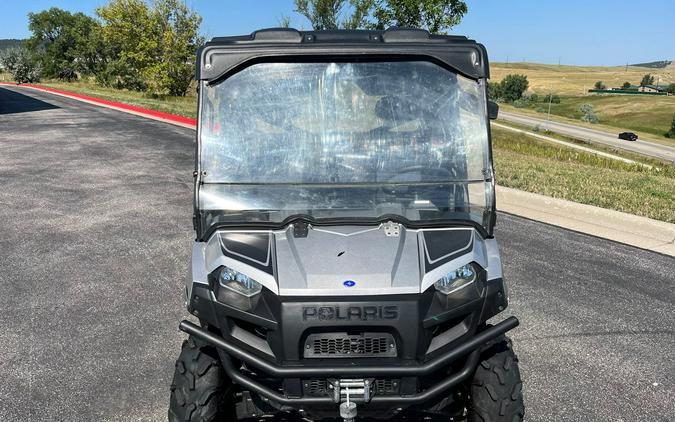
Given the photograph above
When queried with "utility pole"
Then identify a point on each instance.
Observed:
(548, 119)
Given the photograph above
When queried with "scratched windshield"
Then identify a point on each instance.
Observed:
(344, 139)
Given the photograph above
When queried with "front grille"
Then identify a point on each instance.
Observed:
(341, 345)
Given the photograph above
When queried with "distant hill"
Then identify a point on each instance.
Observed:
(655, 65)
(9, 43)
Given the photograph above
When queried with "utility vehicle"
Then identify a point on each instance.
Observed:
(344, 263)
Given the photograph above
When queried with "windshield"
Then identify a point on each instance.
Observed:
(344, 140)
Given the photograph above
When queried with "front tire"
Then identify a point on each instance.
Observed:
(496, 389)
(200, 391)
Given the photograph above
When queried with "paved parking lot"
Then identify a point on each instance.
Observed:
(95, 236)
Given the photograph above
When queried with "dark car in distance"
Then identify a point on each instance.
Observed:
(628, 136)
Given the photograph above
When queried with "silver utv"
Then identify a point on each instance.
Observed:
(344, 208)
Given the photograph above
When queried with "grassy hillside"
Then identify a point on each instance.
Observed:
(577, 80)
(649, 116)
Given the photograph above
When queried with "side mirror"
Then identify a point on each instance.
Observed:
(493, 110)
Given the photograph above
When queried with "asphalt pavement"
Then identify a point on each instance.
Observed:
(643, 147)
(95, 236)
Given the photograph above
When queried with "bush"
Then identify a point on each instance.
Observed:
(671, 132)
(540, 109)
(534, 97)
(520, 103)
(625, 85)
(600, 85)
(588, 113)
(23, 67)
(555, 99)
(671, 89)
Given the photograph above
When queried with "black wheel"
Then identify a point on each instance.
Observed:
(200, 391)
(496, 389)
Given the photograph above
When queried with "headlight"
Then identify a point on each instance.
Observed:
(238, 282)
(457, 279)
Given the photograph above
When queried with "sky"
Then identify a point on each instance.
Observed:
(578, 32)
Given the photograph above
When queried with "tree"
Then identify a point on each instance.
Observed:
(150, 47)
(494, 91)
(21, 64)
(65, 43)
(130, 39)
(588, 113)
(600, 85)
(513, 86)
(671, 89)
(331, 14)
(626, 85)
(173, 67)
(436, 16)
(647, 80)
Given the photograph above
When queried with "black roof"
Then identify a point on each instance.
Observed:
(221, 55)
(290, 35)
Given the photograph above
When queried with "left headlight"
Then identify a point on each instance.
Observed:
(457, 279)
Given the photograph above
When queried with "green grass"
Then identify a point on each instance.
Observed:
(529, 165)
(597, 147)
(183, 106)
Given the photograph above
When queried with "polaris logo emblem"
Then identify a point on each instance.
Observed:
(349, 313)
(349, 283)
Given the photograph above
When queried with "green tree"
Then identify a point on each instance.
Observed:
(436, 16)
(495, 91)
(130, 38)
(626, 85)
(647, 80)
(671, 89)
(600, 85)
(65, 43)
(150, 47)
(21, 64)
(513, 86)
(173, 66)
(335, 14)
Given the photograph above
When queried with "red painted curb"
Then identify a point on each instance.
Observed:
(141, 110)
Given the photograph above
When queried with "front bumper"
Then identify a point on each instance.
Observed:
(471, 347)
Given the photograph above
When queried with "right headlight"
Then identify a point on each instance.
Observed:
(238, 282)
(457, 279)
(237, 289)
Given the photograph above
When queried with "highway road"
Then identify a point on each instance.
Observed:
(650, 149)
(95, 238)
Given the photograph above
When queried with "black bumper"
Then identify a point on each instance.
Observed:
(471, 347)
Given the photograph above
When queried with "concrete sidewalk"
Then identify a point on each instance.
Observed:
(645, 233)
